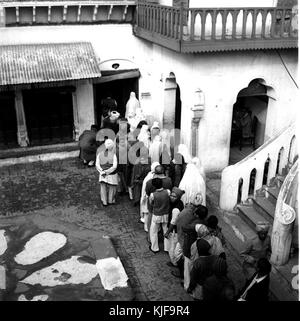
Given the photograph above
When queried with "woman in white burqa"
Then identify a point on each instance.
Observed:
(193, 180)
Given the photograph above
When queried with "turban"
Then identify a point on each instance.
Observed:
(262, 227)
(196, 199)
(177, 192)
(155, 125)
(201, 230)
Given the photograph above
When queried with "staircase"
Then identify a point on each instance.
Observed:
(240, 228)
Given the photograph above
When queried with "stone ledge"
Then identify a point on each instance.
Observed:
(40, 153)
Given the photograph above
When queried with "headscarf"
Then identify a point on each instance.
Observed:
(153, 165)
(201, 230)
(109, 144)
(184, 151)
(144, 136)
(132, 105)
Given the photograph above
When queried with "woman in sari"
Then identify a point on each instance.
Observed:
(193, 181)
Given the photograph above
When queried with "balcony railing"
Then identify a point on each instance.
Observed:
(217, 29)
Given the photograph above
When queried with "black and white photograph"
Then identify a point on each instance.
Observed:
(149, 153)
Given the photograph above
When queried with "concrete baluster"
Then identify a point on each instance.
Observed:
(245, 189)
(259, 177)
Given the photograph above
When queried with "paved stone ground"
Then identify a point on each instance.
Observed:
(68, 191)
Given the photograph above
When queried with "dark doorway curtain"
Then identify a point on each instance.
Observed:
(8, 121)
(49, 115)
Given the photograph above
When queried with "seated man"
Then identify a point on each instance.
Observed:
(256, 249)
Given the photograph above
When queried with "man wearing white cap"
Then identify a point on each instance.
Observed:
(106, 165)
(256, 249)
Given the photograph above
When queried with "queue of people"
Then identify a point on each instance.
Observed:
(172, 200)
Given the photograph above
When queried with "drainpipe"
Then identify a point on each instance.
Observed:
(198, 111)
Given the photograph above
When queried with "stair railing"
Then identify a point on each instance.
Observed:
(276, 150)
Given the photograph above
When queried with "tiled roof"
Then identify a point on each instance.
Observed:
(40, 63)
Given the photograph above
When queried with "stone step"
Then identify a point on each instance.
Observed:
(239, 229)
(237, 232)
(265, 208)
(281, 287)
(271, 193)
(250, 215)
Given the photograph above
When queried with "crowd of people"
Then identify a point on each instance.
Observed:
(171, 197)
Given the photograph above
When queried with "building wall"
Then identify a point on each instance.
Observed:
(219, 75)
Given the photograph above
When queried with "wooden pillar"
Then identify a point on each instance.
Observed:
(2, 16)
(23, 140)
(75, 116)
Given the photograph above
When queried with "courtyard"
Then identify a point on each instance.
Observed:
(63, 195)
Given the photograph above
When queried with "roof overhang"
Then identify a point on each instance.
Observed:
(47, 63)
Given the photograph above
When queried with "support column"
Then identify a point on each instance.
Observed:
(198, 111)
(2, 16)
(169, 102)
(75, 116)
(195, 133)
(23, 140)
(85, 105)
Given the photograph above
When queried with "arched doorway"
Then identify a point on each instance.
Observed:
(248, 120)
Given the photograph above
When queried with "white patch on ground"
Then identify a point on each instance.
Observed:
(43, 297)
(2, 278)
(70, 271)
(40, 246)
(112, 273)
(3, 242)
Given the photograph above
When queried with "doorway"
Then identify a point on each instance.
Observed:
(8, 121)
(248, 121)
(117, 89)
(49, 115)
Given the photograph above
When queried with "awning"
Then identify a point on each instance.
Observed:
(43, 63)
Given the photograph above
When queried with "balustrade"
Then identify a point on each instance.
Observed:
(213, 25)
(275, 151)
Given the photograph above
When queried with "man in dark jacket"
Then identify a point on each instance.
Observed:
(257, 288)
(88, 146)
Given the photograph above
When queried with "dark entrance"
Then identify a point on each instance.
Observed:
(49, 115)
(178, 109)
(8, 121)
(117, 89)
